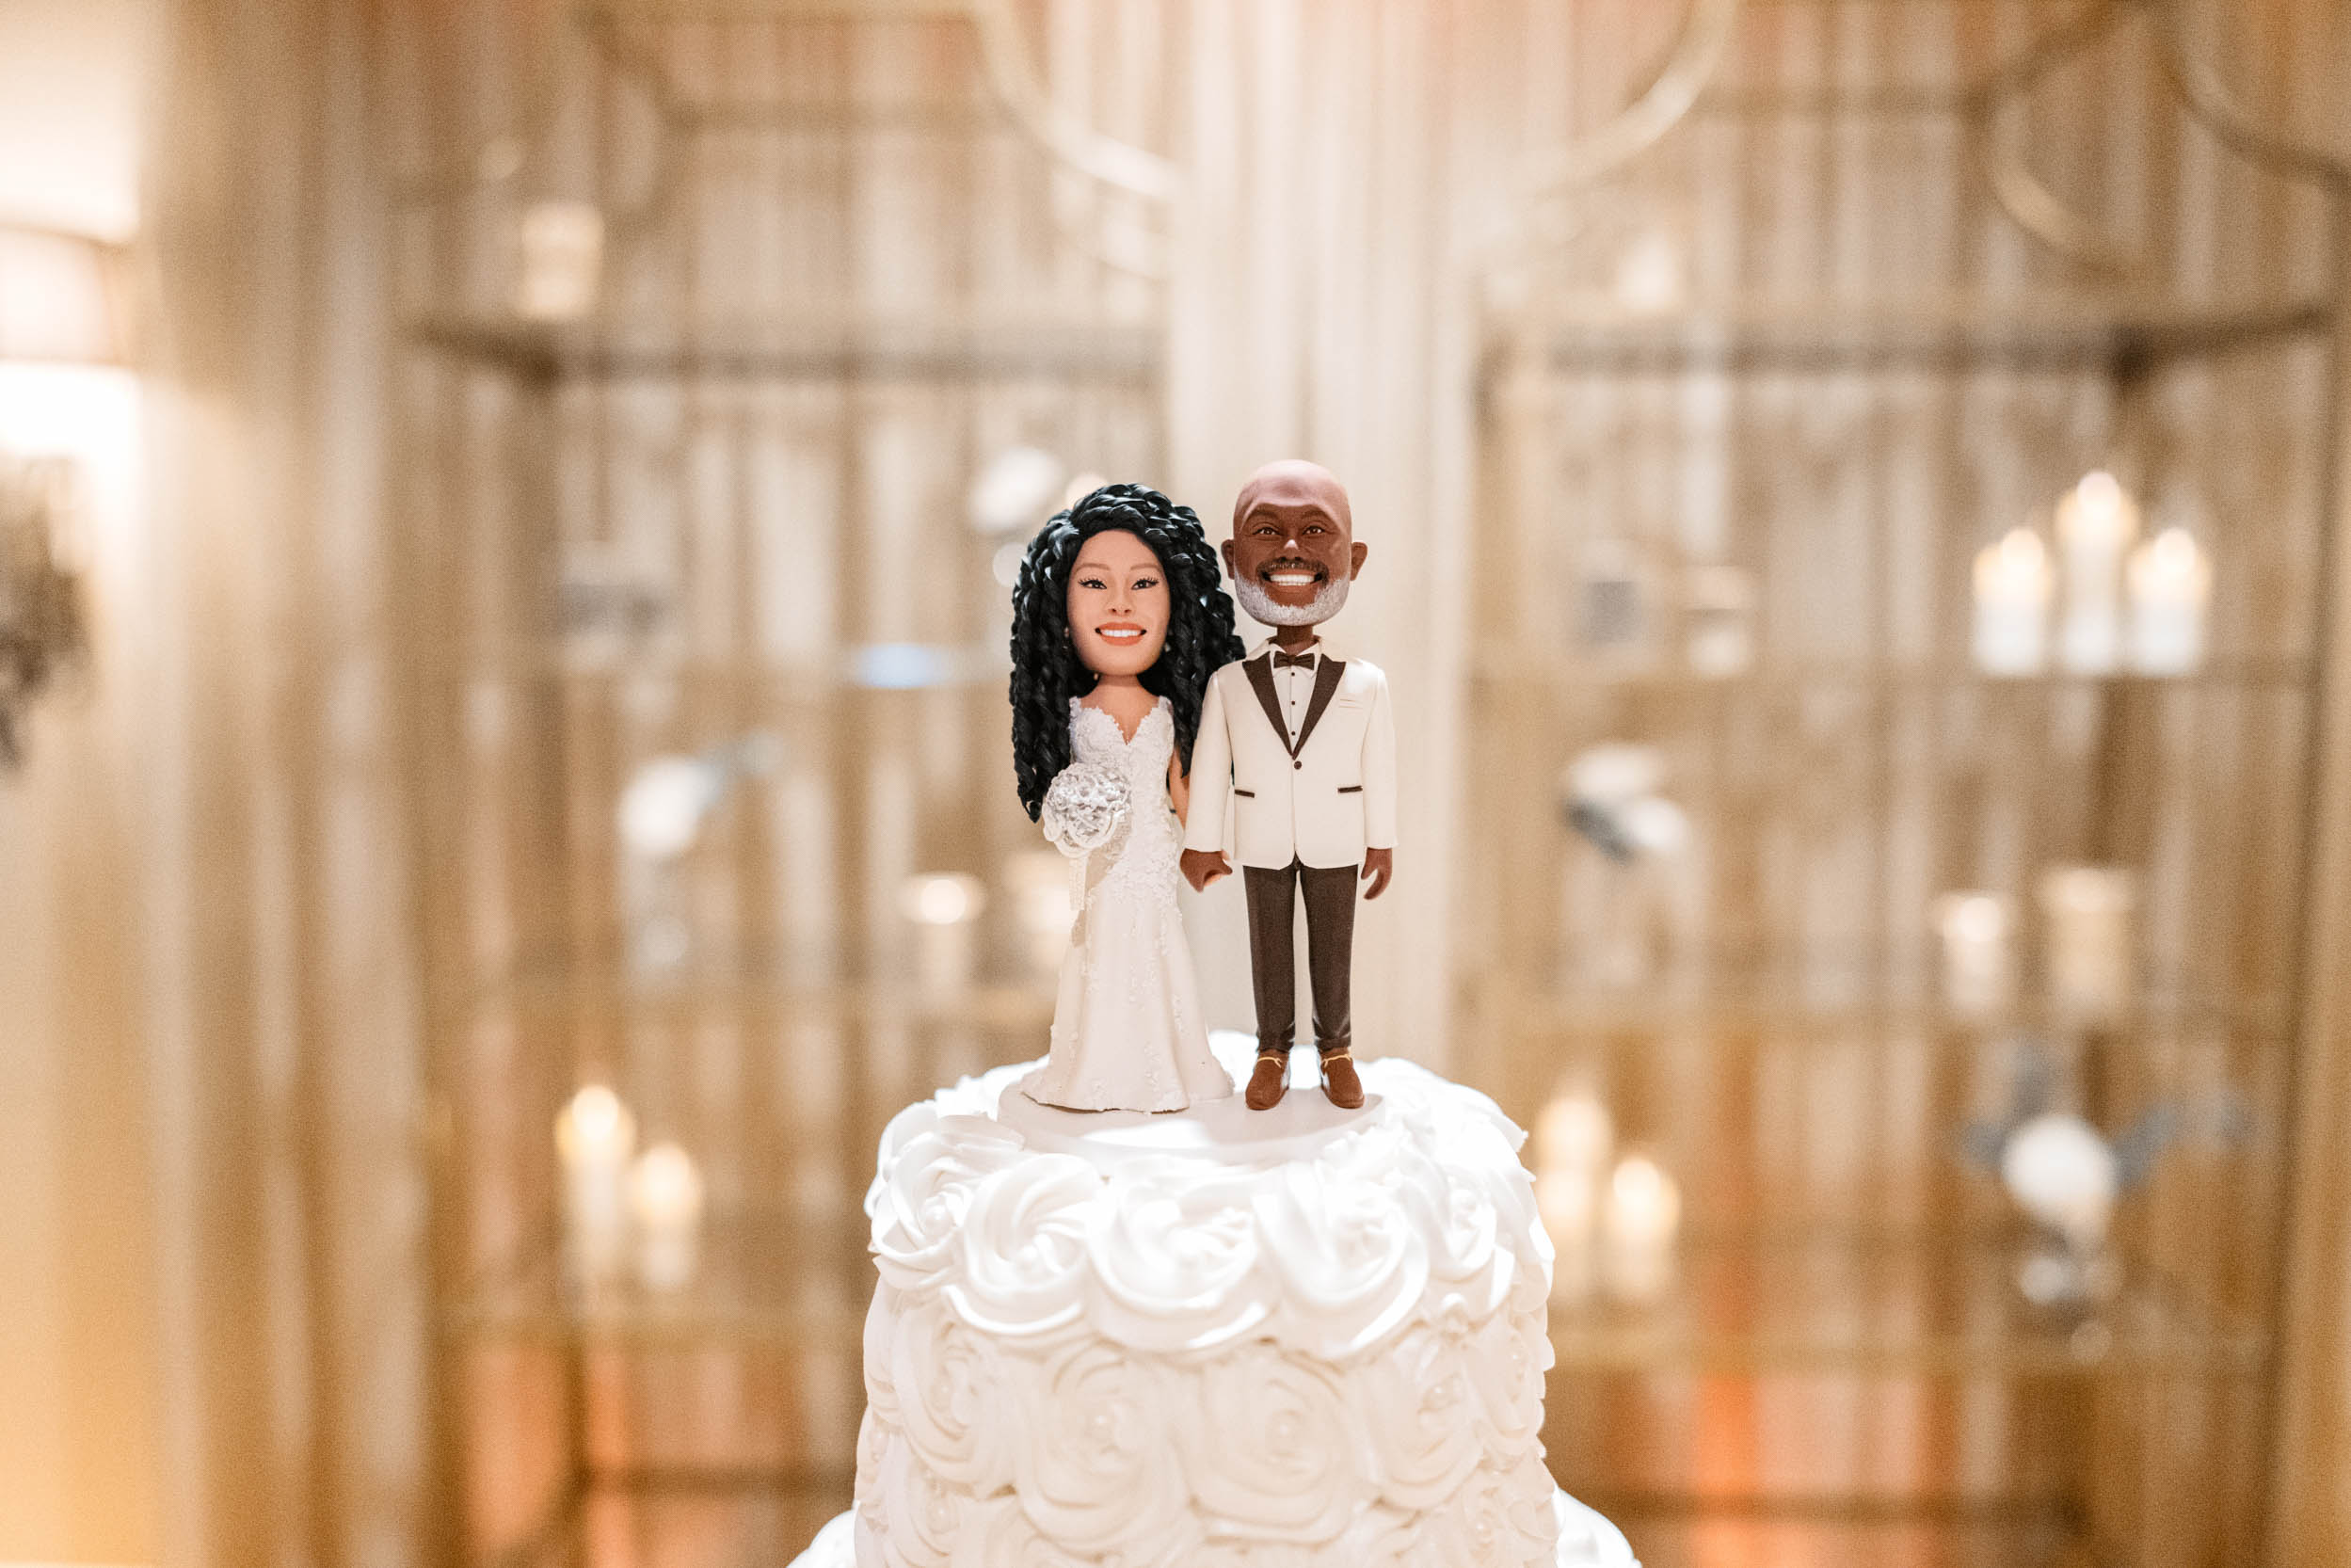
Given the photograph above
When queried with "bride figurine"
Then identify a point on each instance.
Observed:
(1118, 621)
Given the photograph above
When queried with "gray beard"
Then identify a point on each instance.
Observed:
(1261, 608)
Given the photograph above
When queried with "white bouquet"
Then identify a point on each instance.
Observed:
(1085, 807)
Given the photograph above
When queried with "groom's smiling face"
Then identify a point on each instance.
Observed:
(1293, 537)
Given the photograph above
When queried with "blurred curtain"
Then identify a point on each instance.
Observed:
(2312, 1517)
(286, 1048)
(1319, 307)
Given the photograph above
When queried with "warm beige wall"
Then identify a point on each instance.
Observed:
(77, 1474)
(78, 1479)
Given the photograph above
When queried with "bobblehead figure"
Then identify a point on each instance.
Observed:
(1303, 742)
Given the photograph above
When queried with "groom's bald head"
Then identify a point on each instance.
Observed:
(1293, 546)
(1294, 485)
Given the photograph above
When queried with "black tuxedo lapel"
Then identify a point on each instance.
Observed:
(1326, 673)
(1260, 673)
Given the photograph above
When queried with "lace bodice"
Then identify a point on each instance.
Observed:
(1095, 737)
(1148, 857)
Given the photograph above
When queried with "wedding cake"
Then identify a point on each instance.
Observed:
(1302, 1337)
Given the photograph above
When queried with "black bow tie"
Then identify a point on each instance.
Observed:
(1299, 661)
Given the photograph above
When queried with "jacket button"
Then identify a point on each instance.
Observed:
(1298, 764)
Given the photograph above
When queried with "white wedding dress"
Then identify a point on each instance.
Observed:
(1128, 1033)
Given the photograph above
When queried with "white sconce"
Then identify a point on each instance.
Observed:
(2064, 1174)
(663, 802)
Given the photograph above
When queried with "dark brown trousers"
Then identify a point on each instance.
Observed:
(1330, 951)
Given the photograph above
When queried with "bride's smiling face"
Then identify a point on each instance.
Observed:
(1118, 604)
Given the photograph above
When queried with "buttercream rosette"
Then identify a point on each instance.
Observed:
(1168, 1360)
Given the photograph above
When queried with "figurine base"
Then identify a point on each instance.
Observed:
(1220, 1130)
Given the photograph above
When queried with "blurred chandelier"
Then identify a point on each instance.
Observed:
(40, 600)
(59, 305)
(41, 630)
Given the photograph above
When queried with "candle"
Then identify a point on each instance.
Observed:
(1573, 1139)
(1720, 637)
(2171, 585)
(563, 261)
(2012, 591)
(595, 1137)
(1573, 1134)
(2096, 522)
(1037, 885)
(944, 909)
(1569, 1203)
(1978, 972)
(1650, 275)
(666, 1202)
(2088, 910)
(1640, 1224)
(1015, 490)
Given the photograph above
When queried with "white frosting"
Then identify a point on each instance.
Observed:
(1586, 1541)
(1208, 1339)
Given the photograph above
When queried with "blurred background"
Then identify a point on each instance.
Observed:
(506, 512)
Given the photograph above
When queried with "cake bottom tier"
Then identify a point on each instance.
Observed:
(1586, 1541)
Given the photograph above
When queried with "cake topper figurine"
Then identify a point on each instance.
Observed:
(1118, 621)
(1303, 742)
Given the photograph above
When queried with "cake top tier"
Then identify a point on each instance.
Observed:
(1326, 1232)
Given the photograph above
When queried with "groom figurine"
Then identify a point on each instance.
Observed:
(1303, 742)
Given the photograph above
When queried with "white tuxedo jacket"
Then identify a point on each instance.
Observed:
(1324, 800)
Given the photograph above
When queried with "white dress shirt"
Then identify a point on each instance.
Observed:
(1296, 684)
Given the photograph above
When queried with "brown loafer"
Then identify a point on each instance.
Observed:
(1264, 1083)
(1339, 1080)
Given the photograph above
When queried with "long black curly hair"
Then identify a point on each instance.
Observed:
(1045, 669)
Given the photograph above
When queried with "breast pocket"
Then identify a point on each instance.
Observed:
(1344, 723)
